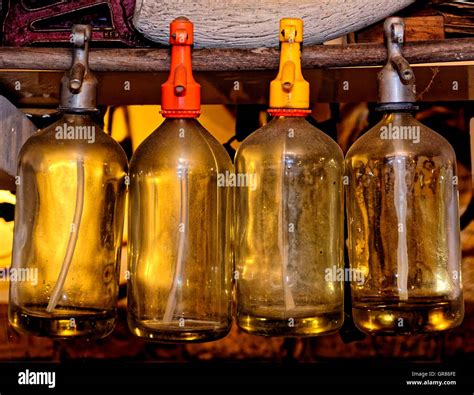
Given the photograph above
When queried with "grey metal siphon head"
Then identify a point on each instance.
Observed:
(396, 80)
(79, 85)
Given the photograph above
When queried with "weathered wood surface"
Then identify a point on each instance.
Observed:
(421, 28)
(16, 128)
(316, 56)
(335, 85)
(250, 23)
(458, 15)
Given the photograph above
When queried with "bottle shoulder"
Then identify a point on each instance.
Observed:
(411, 139)
(297, 136)
(56, 142)
(178, 140)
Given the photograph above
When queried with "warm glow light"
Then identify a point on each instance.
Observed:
(140, 121)
(6, 231)
(438, 320)
(7, 197)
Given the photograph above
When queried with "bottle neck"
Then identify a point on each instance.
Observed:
(71, 111)
(399, 117)
(290, 121)
(181, 121)
(81, 119)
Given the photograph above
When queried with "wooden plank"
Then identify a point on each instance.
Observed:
(429, 27)
(458, 16)
(40, 89)
(16, 128)
(317, 56)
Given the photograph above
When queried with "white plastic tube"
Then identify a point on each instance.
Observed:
(283, 235)
(400, 202)
(72, 241)
(182, 236)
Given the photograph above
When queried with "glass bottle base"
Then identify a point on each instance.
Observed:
(323, 323)
(192, 331)
(420, 316)
(64, 323)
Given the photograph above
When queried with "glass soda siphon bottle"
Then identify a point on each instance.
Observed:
(402, 213)
(69, 217)
(180, 261)
(289, 223)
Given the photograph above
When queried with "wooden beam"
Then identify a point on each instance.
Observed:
(418, 28)
(348, 84)
(317, 56)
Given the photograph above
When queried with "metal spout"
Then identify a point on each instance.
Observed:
(396, 80)
(79, 85)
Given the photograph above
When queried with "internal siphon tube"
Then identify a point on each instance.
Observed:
(283, 234)
(182, 235)
(400, 202)
(73, 235)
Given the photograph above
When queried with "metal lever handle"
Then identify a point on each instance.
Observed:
(396, 80)
(80, 38)
(395, 36)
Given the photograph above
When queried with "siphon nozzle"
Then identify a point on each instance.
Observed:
(79, 85)
(396, 80)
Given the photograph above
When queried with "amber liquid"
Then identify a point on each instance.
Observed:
(65, 323)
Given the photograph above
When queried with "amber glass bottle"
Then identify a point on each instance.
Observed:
(289, 219)
(69, 218)
(180, 262)
(402, 210)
